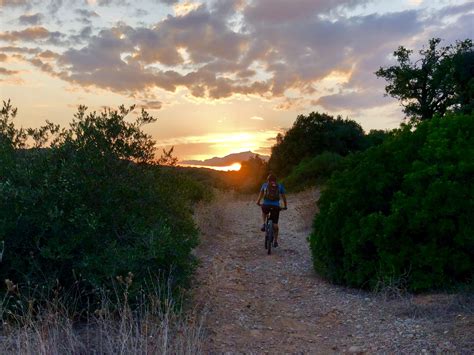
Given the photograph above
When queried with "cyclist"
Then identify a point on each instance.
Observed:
(271, 191)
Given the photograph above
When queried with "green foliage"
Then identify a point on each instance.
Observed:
(92, 205)
(312, 135)
(403, 209)
(312, 171)
(375, 137)
(441, 80)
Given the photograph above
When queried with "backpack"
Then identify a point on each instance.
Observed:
(272, 192)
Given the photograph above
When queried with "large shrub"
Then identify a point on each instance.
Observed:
(91, 205)
(402, 210)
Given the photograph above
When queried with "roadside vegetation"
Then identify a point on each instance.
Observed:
(86, 215)
(396, 205)
(402, 210)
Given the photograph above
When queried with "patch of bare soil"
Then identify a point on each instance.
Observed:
(256, 303)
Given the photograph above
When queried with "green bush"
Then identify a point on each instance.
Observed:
(92, 206)
(312, 171)
(402, 210)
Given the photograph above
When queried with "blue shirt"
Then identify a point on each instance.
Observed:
(270, 202)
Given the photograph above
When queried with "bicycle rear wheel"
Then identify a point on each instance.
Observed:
(270, 236)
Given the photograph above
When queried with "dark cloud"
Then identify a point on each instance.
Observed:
(284, 11)
(167, 2)
(86, 16)
(454, 10)
(35, 19)
(82, 36)
(353, 100)
(21, 50)
(3, 57)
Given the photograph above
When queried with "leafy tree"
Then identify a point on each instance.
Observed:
(441, 80)
(312, 135)
(464, 79)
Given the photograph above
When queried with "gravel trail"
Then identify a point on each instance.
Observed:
(255, 303)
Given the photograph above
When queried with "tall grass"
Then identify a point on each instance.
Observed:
(156, 325)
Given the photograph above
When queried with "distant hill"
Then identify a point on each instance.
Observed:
(225, 161)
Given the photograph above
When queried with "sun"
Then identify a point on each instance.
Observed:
(234, 167)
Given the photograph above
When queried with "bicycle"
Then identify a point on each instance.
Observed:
(269, 232)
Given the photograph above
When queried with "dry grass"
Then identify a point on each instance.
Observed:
(394, 294)
(306, 208)
(210, 217)
(155, 326)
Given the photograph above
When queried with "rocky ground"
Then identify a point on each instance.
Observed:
(256, 303)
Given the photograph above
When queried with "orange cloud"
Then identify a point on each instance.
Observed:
(29, 34)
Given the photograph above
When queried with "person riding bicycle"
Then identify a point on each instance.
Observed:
(271, 191)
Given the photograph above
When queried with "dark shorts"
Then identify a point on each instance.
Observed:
(274, 212)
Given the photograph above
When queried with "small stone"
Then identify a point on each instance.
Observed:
(354, 349)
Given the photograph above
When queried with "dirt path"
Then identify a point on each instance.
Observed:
(257, 303)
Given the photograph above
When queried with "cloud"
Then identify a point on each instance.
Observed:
(21, 50)
(201, 51)
(152, 105)
(281, 11)
(168, 2)
(353, 100)
(33, 34)
(13, 3)
(86, 16)
(275, 49)
(3, 57)
(35, 19)
(257, 118)
(4, 71)
(182, 9)
(28, 35)
(48, 54)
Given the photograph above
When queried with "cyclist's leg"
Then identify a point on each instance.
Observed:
(275, 215)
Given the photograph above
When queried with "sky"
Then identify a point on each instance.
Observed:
(221, 76)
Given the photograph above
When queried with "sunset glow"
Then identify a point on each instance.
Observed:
(221, 76)
(233, 167)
